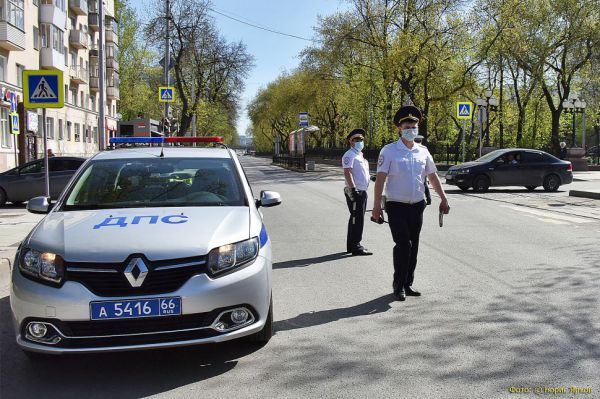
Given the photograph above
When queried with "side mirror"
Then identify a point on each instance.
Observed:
(39, 205)
(268, 198)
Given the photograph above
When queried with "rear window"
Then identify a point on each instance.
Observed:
(156, 182)
(531, 157)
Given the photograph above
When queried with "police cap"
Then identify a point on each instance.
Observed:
(356, 133)
(408, 112)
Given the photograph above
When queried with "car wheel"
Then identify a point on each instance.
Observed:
(551, 183)
(530, 188)
(2, 197)
(264, 335)
(481, 184)
(464, 188)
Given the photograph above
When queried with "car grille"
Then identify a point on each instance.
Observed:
(108, 279)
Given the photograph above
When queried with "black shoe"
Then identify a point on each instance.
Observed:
(400, 295)
(361, 252)
(410, 292)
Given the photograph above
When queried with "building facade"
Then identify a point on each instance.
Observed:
(60, 35)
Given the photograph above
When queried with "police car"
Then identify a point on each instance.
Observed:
(148, 246)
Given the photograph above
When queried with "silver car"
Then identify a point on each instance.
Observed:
(147, 247)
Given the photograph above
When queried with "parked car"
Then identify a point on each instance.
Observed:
(20, 184)
(512, 167)
(147, 247)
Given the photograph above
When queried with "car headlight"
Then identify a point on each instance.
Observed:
(463, 171)
(232, 256)
(45, 266)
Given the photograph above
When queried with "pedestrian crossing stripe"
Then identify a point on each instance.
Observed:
(43, 90)
(464, 110)
(165, 94)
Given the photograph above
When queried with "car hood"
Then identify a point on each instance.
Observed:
(465, 165)
(111, 235)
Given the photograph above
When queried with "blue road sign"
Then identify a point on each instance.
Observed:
(43, 89)
(464, 110)
(303, 119)
(165, 94)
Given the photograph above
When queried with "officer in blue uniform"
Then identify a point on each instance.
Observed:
(356, 175)
(403, 166)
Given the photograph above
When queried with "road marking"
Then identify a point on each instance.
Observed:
(554, 217)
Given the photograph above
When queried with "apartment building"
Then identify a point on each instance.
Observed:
(61, 35)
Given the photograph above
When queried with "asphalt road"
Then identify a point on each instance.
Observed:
(510, 299)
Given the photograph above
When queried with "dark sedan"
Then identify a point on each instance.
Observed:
(25, 182)
(512, 167)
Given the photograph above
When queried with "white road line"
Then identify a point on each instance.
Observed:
(548, 214)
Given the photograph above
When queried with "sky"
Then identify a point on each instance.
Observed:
(273, 53)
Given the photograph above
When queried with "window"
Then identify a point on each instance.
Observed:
(82, 104)
(40, 130)
(531, 157)
(35, 167)
(95, 134)
(20, 69)
(6, 136)
(61, 135)
(93, 98)
(36, 38)
(50, 127)
(68, 131)
(52, 37)
(66, 93)
(2, 68)
(87, 134)
(77, 132)
(57, 165)
(73, 96)
(15, 14)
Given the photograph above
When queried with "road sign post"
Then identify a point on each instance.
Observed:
(44, 89)
(464, 111)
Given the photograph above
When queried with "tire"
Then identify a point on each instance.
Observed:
(264, 335)
(2, 197)
(481, 184)
(530, 188)
(464, 188)
(551, 183)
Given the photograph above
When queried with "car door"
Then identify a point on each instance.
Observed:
(29, 182)
(504, 172)
(531, 167)
(61, 171)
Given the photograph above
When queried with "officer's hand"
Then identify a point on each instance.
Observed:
(373, 177)
(444, 207)
(376, 213)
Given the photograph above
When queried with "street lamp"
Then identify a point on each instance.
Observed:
(484, 104)
(576, 106)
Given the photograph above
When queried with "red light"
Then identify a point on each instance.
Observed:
(207, 139)
(570, 167)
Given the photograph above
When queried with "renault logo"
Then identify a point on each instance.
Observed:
(136, 272)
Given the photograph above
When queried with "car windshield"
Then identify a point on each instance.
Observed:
(489, 156)
(156, 182)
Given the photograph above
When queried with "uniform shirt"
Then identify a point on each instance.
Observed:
(359, 168)
(406, 171)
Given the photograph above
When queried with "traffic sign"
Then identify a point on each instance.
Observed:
(165, 94)
(43, 89)
(303, 119)
(464, 110)
(14, 123)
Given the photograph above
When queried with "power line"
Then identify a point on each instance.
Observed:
(260, 27)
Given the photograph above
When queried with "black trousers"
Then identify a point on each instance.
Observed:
(356, 222)
(405, 222)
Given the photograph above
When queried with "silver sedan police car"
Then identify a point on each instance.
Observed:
(147, 247)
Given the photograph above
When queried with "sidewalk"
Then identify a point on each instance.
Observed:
(14, 226)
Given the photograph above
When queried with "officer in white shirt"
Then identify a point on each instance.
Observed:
(405, 165)
(356, 175)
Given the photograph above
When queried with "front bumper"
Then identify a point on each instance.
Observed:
(459, 180)
(67, 310)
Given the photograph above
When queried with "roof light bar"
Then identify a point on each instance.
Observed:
(146, 140)
(135, 140)
(206, 139)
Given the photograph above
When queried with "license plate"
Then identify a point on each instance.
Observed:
(134, 308)
(449, 177)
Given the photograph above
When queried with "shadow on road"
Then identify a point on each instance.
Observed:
(310, 261)
(311, 319)
(116, 375)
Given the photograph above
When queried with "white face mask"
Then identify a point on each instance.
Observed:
(410, 134)
(358, 146)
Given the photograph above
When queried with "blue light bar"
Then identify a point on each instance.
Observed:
(135, 140)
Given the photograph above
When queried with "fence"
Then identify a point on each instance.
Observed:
(290, 161)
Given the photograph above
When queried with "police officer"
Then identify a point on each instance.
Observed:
(419, 140)
(405, 165)
(356, 175)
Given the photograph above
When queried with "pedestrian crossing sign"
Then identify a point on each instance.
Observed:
(464, 110)
(165, 94)
(43, 89)
(14, 123)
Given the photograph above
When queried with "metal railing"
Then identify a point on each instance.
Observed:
(291, 161)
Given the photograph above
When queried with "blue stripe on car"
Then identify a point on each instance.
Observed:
(263, 236)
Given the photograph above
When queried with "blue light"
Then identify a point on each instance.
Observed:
(135, 140)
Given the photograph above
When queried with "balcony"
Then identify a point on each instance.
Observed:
(112, 63)
(94, 84)
(79, 75)
(111, 36)
(51, 59)
(11, 37)
(94, 21)
(79, 7)
(51, 14)
(112, 93)
(78, 39)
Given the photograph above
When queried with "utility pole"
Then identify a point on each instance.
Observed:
(167, 58)
(102, 80)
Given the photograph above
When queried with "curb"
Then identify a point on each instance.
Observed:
(585, 194)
